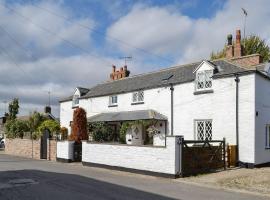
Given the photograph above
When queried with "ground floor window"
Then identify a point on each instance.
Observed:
(203, 129)
(267, 136)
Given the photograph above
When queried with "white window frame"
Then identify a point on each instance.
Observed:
(138, 97)
(204, 80)
(267, 136)
(203, 129)
(112, 99)
(75, 100)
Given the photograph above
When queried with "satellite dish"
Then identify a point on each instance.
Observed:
(267, 68)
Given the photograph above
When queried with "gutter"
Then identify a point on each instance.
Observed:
(172, 89)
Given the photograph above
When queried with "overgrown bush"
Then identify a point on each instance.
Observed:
(51, 125)
(123, 131)
(15, 128)
(64, 133)
(101, 132)
(79, 126)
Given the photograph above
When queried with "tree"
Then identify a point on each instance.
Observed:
(252, 44)
(16, 128)
(13, 109)
(51, 125)
(34, 121)
(79, 125)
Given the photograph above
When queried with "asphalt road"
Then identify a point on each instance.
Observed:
(26, 179)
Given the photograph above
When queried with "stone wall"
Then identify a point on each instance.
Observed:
(29, 148)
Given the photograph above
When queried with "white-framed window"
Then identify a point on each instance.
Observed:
(113, 100)
(203, 80)
(267, 136)
(203, 129)
(137, 96)
(75, 100)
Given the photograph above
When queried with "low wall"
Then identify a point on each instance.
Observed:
(162, 160)
(23, 147)
(29, 148)
(65, 151)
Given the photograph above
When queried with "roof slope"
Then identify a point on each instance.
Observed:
(181, 74)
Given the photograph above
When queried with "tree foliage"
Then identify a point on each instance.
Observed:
(79, 125)
(15, 128)
(51, 125)
(13, 109)
(35, 121)
(252, 44)
(64, 133)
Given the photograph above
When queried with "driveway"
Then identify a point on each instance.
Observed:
(26, 179)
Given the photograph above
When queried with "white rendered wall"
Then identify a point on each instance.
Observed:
(154, 159)
(220, 107)
(65, 149)
(262, 100)
(66, 115)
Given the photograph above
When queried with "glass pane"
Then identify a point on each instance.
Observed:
(208, 130)
(135, 97)
(141, 96)
(200, 130)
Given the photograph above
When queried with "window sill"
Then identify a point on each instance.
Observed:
(77, 106)
(203, 92)
(112, 105)
(137, 103)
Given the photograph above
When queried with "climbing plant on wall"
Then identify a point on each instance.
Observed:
(79, 126)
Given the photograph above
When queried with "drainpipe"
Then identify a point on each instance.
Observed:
(172, 89)
(237, 80)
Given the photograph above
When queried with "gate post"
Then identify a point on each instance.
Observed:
(180, 142)
(224, 152)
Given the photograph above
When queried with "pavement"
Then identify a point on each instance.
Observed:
(27, 179)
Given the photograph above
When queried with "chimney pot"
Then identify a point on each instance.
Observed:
(229, 39)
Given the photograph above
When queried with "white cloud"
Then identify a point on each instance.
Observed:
(165, 31)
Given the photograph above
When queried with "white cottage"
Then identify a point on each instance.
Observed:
(206, 100)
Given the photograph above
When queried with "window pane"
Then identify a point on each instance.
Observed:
(200, 130)
(140, 96)
(208, 130)
(135, 97)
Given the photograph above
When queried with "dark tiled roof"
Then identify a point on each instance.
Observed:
(181, 74)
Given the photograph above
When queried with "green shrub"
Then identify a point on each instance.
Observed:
(15, 128)
(64, 133)
(51, 125)
(101, 132)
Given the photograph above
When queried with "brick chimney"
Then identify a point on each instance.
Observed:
(119, 74)
(234, 53)
(238, 51)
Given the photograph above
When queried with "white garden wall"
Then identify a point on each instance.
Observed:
(65, 150)
(164, 160)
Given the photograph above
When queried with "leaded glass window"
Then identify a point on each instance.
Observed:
(203, 129)
(138, 96)
(204, 80)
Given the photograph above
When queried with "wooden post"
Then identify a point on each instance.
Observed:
(224, 153)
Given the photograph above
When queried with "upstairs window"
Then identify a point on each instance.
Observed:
(267, 137)
(204, 80)
(137, 97)
(203, 129)
(113, 100)
(75, 100)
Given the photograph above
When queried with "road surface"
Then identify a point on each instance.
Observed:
(27, 179)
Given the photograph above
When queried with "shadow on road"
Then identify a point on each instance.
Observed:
(34, 184)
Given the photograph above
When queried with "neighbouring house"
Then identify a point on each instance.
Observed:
(206, 100)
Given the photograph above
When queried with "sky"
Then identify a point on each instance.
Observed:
(56, 45)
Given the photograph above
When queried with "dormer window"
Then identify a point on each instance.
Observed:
(204, 80)
(75, 100)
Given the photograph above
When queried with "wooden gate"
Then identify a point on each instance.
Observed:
(199, 157)
(43, 144)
